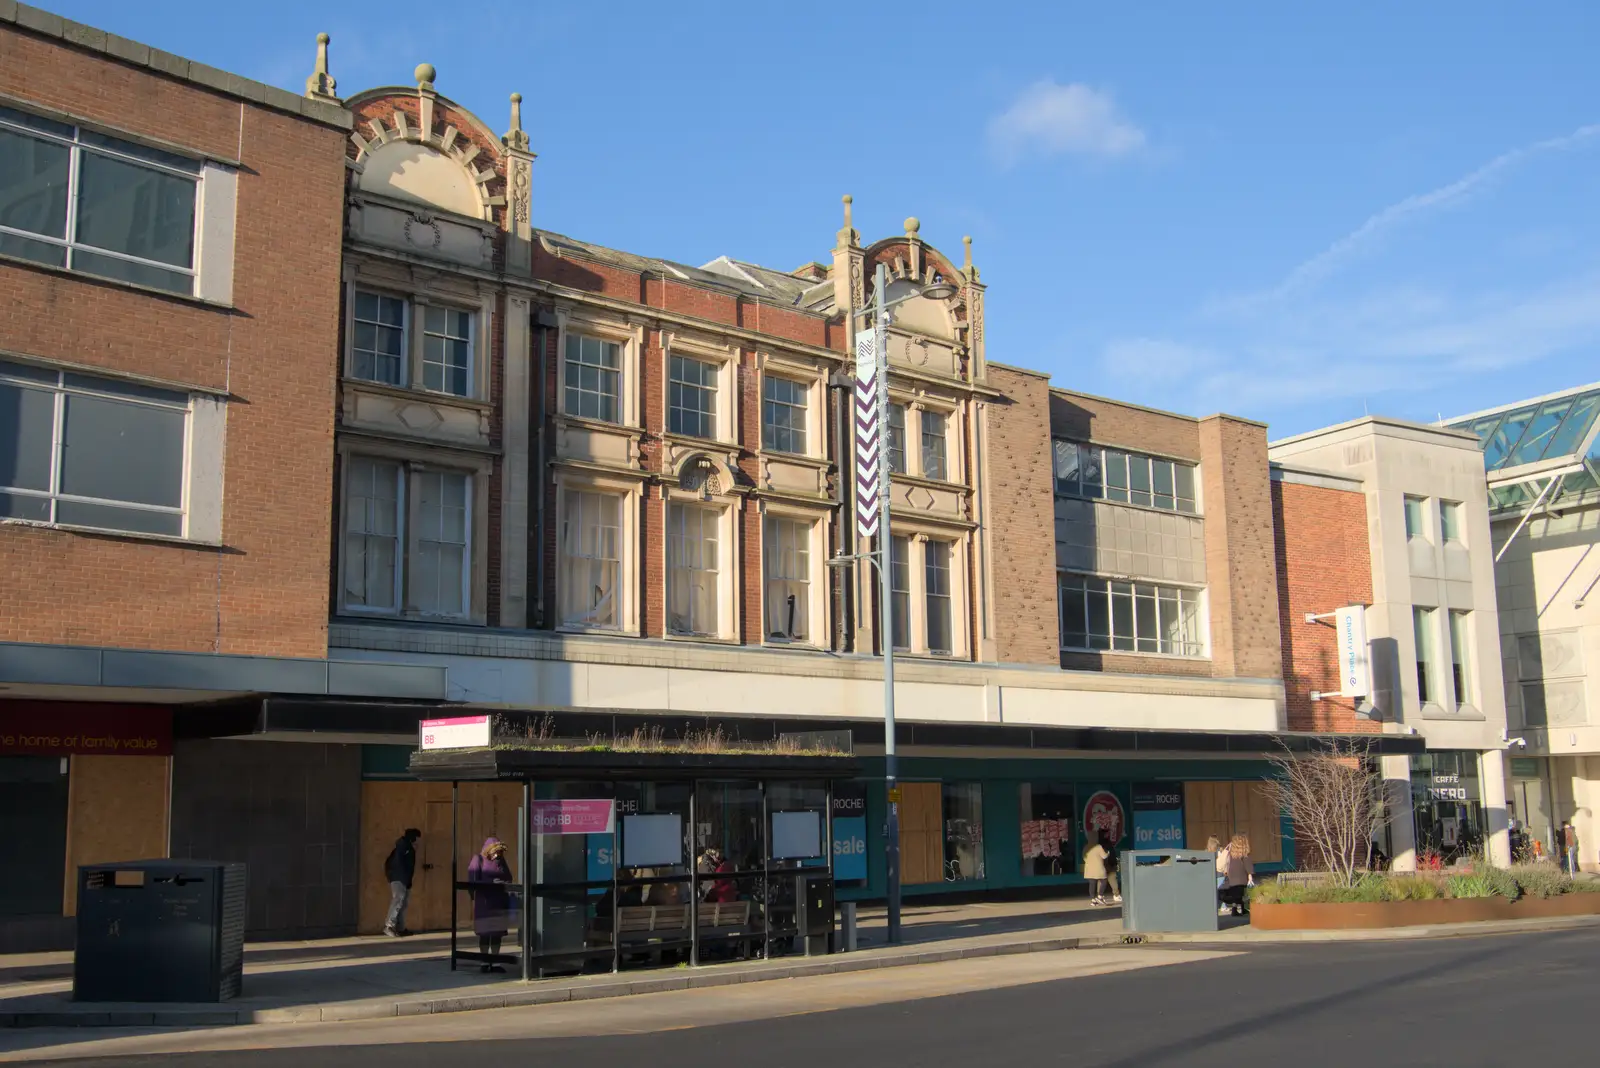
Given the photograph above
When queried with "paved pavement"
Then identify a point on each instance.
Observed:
(1464, 1002)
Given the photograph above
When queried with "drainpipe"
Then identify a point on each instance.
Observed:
(842, 387)
(545, 320)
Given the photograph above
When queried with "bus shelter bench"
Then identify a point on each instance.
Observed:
(648, 927)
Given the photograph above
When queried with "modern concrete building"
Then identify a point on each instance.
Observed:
(1541, 459)
(1432, 622)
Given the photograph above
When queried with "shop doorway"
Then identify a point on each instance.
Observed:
(431, 897)
(33, 835)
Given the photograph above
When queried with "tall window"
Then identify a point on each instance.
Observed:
(592, 378)
(786, 548)
(380, 338)
(1422, 626)
(900, 590)
(441, 574)
(1416, 527)
(1450, 522)
(897, 438)
(407, 539)
(936, 565)
(1098, 613)
(447, 351)
(591, 559)
(783, 415)
(1460, 658)
(933, 445)
(77, 199)
(91, 452)
(372, 535)
(1094, 472)
(692, 569)
(692, 398)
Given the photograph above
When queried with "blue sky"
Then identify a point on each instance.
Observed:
(1291, 214)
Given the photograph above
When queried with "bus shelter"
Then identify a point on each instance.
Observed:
(625, 859)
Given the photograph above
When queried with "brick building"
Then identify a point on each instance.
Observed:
(169, 263)
(533, 475)
(608, 485)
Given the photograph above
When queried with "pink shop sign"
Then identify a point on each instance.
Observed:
(573, 817)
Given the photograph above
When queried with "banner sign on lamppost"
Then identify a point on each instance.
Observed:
(868, 427)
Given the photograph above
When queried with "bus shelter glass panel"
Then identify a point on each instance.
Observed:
(797, 830)
(654, 875)
(729, 870)
(469, 875)
(570, 931)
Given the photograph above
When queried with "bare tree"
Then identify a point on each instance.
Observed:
(1336, 801)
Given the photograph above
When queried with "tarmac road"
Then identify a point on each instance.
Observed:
(1504, 1000)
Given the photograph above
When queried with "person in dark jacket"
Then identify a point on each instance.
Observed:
(490, 877)
(400, 868)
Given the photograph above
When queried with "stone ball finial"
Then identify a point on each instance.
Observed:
(848, 199)
(913, 224)
(323, 38)
(425, 74)
(516, 98)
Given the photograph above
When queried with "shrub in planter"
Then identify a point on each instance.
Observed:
(1483, 883)
(1541, 880)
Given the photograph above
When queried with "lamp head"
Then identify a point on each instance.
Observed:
(940, 290)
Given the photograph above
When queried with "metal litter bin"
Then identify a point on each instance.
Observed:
(1169, 890)
(813, 897)
(159, 930)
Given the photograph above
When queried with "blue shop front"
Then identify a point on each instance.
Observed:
(970, 824)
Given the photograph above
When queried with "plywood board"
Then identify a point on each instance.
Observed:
(117, 809)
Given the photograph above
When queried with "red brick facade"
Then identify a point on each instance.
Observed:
(264, 591)
(1323, 564)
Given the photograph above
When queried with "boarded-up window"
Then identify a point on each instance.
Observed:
(1228, 808)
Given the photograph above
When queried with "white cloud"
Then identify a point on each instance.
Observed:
(1050, 119)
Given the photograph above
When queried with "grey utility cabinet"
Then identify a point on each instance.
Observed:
(159, 930)
(1169, 890)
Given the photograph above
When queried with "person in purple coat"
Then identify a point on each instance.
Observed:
(491, 899)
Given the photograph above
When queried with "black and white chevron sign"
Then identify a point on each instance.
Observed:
(869, 427)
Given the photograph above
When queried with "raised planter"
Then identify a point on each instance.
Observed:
(1346, 917)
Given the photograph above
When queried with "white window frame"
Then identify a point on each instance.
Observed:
(570, 389)
(630, 339)
(917, 541)
(580, 498)
(817, 621)
(203, 448)
(1136, 591)
(414, 335)
(418, 537)
(708, 387)
(629, 494)
(397, 584)
(412, 463)
(210, 271)
(728, 580)
(809, 409)
(914, 465)
(472, 347)
(724, 360)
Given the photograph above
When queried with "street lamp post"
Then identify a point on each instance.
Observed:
(883, 557)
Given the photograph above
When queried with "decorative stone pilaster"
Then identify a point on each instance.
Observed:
(516, 472)
(519, 194)
(972, 294)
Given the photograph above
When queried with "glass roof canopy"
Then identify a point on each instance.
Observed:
(1530, 445)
